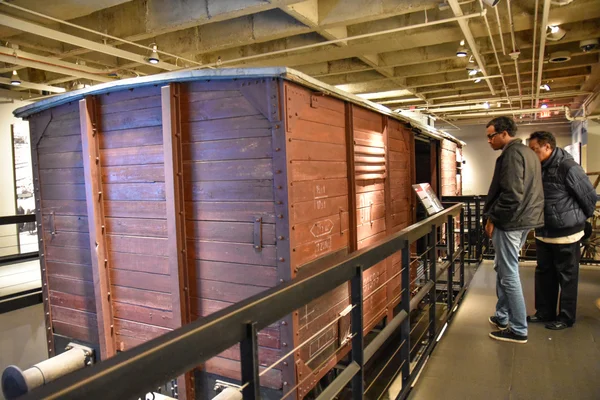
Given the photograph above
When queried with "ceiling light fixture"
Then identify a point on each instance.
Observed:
(15, 80)
(555, 33)
(477, 80)
(153, 59)
(462, 50)
(491, 3)
(544, 106)
(486, 105)
(545, 87)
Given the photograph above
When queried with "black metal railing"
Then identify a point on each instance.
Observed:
(477, 244)
(152, 363)
(16, 251)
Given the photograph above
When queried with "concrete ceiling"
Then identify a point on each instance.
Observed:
(401, 53)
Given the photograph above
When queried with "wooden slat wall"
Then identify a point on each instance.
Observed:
(448, 169)
(65, 226)
(316, 153)
(131, 153)
(228, 184)
(371, 171)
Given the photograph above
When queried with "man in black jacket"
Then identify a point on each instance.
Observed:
(514, 205)
(570, 200)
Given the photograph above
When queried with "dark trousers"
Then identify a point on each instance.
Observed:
(557, 267)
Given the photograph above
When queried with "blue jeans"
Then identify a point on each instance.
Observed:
(511, 303)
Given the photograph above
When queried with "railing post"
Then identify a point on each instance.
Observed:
(433, 274)
(450, 247)
(405, 301)
(249, 358)
(462, 248)
(478, 227)
(470, 230)
(356, 294)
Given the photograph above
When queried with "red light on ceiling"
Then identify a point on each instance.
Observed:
(545, 114)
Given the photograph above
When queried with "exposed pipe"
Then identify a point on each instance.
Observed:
(16, 383)
(500, 30)
(504, 112)
(346, 39)
(514, 55)
(464, 26)
(571, 118)
(489, 30)
(533, 49)
(544, 24)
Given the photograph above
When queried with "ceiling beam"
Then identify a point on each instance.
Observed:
(40, 30)
(14, 95)
(36, 86)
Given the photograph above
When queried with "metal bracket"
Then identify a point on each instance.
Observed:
(88, 351)
(258, 234)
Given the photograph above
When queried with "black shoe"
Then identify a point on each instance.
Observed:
(558, 325)
(496, 323)
(508, 335)
(537, 318)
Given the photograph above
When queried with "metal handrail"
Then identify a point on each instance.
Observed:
(183, 349)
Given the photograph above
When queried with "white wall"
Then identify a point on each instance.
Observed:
(7, 194)
(593, 148)
(480, 159)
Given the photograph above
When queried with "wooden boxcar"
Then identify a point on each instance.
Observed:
(164, 199)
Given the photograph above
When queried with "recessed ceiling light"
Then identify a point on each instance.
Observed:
(486, 105)
(544, 106)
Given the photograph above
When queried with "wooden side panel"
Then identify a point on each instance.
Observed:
(448, 168)
(230, 219)
(69, 298)
(319, 214)
(98, 252)
(133, 180)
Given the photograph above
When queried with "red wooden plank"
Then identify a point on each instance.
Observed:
(318, 208)
(266, 356)
(68, 255)
(84, 303)
(61, 176)
(145, 298)
(144, 315)
(71, 286)
(230, 211)
(133, 174)
(135, 104)
(74, 317)
(371, 240)
(139, 262)
(64, 127)
(64, 207)
(230, 128)
(317, 132)
(141, 155)
(138, 245)
(134, 191)
(310, 151)
(367, 214)
(319, 189)
(230, 191)
(81, 333)
(229, 231)
(140, 280)
(223, 291)
(146, 136)
(236, 170)
(64, 192)
(231, 252)
(78, 240)
(60, 144)
(129, 120)
(305, 253)
(234, 273)
(218, 109)
(66, 223)
(363, 187)
(71, 271)
(318, 229)
(135, 209)
(232, 369)
(61, 160)
(370, 229)
(233, 149)
(138, 330)
(204, 307)
(321, 115)
(137, 227)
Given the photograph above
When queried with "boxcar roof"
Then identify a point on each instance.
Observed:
(226, 74)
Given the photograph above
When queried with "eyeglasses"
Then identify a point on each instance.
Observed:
(491, 135)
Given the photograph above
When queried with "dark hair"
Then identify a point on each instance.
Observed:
(502, 124)
(544, 137)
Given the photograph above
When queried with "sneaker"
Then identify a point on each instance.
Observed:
(496, 323)
(508, 335)
(535, 318)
